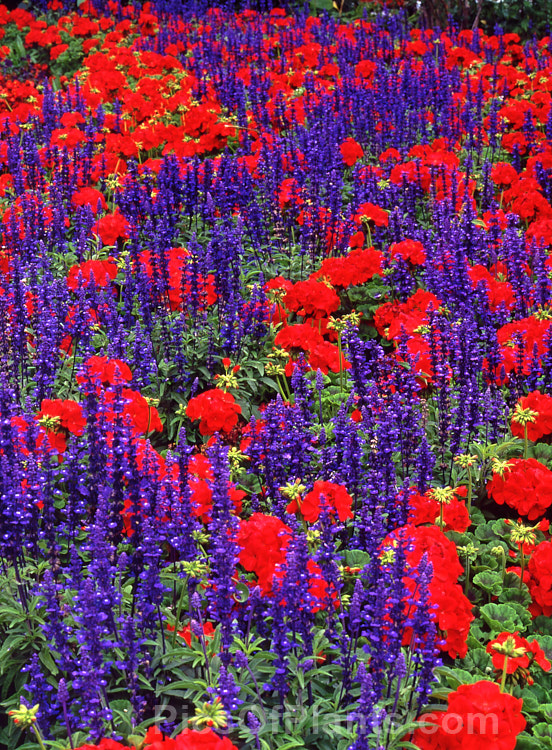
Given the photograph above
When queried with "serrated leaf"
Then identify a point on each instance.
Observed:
(526, 742)
(490, 581)
(485, 533)
(499, 617)
(356, 558)
(542, 730)
(517, 596)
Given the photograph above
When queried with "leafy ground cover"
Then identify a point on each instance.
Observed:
(275, 382)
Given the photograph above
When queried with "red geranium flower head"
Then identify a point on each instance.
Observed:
(410, 250)
(534, 413)
(187, 633)
(112, 227)
(312, 297)
(106, 371)
(143, 415)
(539, 569)
(369, 213)
(217, 410)
(524, 484)
(453, 613)
(351, 151)
(60, 417)
(98, 272)
(517, 655)
(323, 494)
(263, 541)
(478, 716)
(89, 197)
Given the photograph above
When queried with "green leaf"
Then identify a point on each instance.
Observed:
(47, 660)
(541, 452)
(478, 660)
(455, 677)
(501, 618)
(526, 742)
(543, 730)
(485, 533)
(531, 704)
(515, 596)
(290, 743)
(511, 581)
(490, 581)
(543, 624)
(500, 527)
(242, 593)
(356, 558)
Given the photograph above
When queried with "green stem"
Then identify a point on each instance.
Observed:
(38, 737)
(470, 490)
(177, 619)
(522, 568)
(525, 442)
(177, 436)
(503, 680)
(286, 393)
(340, 355)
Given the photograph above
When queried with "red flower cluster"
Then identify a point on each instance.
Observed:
(142, 416)
(60, 418)
(525, 485)
(112, 227)
(98, 272)
(312, 298)
(89, 196)
(518, 654)
(353, 269)
(529, 334)
(499, 292)
(351, 151)
(105, 371)
(187, 634)
(321, 354)
(200, 475)
(410, 250)
(189, 739)
(453, 610)
(425, 509)
(323, 494)
(290, 194)
(539, 579)
(264, 543)
(392, 317)
(541, 405)
(478, 716)
(217, 410)
(368, 213)
(263, 540)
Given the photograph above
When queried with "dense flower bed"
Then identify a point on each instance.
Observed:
(275, 382)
